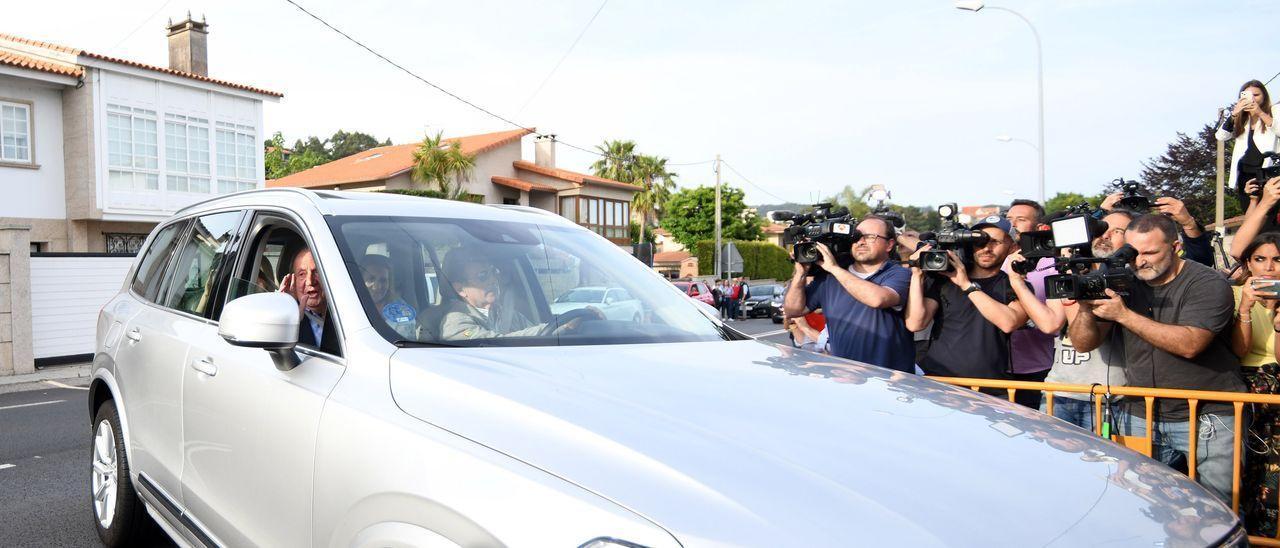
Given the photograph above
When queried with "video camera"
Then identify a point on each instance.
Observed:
(954, 237)
(1270, 169)
(827, 224)
(1082, 276)
(1133, 197)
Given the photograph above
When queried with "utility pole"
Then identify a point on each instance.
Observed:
(1219, 207)
(719, 262)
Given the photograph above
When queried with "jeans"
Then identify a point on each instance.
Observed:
(1077, 412)
(1215, 446)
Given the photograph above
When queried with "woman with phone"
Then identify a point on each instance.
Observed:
(1253, 338)
(1251, 128)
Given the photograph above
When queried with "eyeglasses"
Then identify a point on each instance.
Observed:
(486, 275)
(871, 238)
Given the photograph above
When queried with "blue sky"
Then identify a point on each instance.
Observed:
(802, 97)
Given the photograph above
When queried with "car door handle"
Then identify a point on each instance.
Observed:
(134, 335)
(205, 365)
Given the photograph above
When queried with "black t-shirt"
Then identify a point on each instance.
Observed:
(1197, 297)
(965, 344)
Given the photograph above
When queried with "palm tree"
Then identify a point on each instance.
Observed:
(650, 172)
(618, 161)
(443, 164)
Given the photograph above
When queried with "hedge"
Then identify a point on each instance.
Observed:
(760, 260)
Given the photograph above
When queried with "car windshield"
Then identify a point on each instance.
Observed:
(464, 282)
(581, 296)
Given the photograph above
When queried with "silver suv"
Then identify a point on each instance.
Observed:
(293, 368)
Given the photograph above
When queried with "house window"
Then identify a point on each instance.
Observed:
(15, 133)
(186, 154)
(132, 151)
(124, 243)
(608, 218)
(510, 201)
(237, 163)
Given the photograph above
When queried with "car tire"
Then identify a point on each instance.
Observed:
(777, 319)
(119, 515)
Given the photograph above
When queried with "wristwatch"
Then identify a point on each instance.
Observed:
(972, 287)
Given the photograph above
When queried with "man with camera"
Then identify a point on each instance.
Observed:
(1172, 325)
(1030, 350)
(1196, 241)
(1102, 366)
(972, 306)
(863, 302)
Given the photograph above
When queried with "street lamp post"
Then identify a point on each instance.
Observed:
(976, 5)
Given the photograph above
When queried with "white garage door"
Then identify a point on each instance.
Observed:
(66, 294)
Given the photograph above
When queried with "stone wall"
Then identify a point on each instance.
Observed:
(15, 300)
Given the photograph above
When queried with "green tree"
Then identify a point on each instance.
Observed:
(1187, 171)
(443, 164)
(344, 144)
(690, 216)
(760, 260)
(855, 200)
(656, 182)
(1063, 200)
(273, 161)
(618, 161)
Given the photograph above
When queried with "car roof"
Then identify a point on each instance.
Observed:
(343, 203)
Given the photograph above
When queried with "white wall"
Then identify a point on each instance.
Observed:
(36, 193)
(166, 97)
(496, 162)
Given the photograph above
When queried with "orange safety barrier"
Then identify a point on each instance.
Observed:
(1144, 444)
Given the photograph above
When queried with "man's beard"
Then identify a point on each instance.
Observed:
(1152, 272)
(1103, 251)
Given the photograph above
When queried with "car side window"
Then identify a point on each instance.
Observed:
(192, 279)
(150, 274)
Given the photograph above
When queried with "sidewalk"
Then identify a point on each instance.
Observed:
(53, 373)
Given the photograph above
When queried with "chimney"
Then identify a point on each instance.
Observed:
(189, 46)
(544, 150)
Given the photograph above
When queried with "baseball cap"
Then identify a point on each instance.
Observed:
(996, 221)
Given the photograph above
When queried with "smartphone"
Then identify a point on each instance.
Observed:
(1267, 289)
(1246, 96)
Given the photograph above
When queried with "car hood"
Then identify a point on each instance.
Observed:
(744, 443)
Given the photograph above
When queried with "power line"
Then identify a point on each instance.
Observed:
(748, 181)
(562, 58)
(142, 24)
(450, 93)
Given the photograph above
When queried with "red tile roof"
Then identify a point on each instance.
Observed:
(662, 232)
(671, 256)
(377, 164)
(573, 176)
(42, 65)
(82, 53)
(522, 185)
(773, 228)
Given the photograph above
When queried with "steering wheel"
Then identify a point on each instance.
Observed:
(558, 320)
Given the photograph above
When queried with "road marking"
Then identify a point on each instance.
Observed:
(60, 385)
(3, 466)
(30, 404)
(769, 333)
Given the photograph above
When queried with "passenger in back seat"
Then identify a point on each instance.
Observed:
(378, 279)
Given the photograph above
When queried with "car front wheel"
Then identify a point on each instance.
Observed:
(118, 514)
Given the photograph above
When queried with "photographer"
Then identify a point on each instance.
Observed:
(862, 303)
(1030, 350)
(1104, 365)
(1172, 326)
(972, 307)
(1197, 244)
(1251, 128)
(1260, 218)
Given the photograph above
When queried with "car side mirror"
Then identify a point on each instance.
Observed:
(263, 320)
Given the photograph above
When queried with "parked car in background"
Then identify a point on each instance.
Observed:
(615, 302)
(763, 301)
(697, 290)
(219, 412)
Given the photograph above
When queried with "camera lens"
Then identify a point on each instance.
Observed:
(934, 262)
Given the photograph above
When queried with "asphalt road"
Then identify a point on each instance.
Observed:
(44, 466)
(44, 458)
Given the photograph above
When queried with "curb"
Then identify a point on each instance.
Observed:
(61, 372)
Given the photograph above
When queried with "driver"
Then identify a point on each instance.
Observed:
(476, 313)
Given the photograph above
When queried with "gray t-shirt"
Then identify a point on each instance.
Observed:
(1197, 297)
(1104, 365)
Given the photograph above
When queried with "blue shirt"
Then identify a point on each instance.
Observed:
(877, 336)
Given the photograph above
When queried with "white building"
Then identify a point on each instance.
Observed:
(94, 151)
